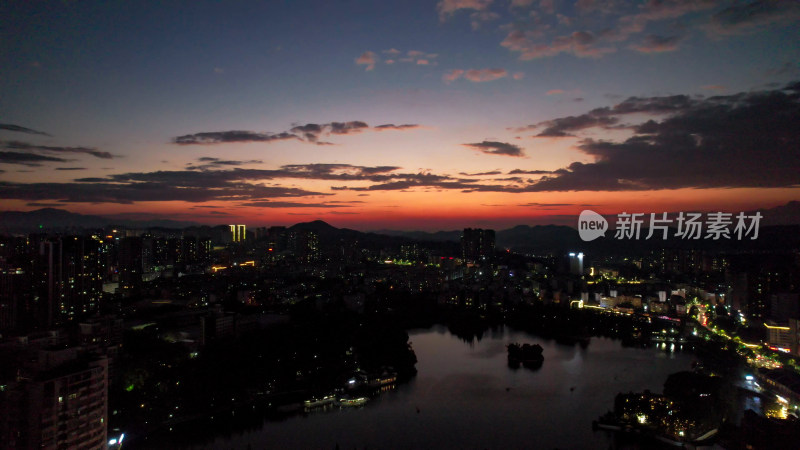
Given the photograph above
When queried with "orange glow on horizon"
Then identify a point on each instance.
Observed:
(439, 209)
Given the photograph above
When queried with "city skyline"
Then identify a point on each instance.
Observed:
(429, 115)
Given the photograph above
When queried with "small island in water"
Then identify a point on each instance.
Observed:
(527, 355)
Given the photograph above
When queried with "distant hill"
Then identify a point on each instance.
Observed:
(788, 214)
(438, 236)
(521, 236)
(776, 233)
(49, 219)
(331, 236)
(539, 237)
(318, 226)
(555, 239)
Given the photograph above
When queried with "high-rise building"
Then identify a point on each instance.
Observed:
(576, 263)
(174, 254)
(130, 265)
(67, 278)
(82, 277)
(14, 297)
(58, 400)
(102, 337)
(189, 249)
(160, 251)
(47, 281)
(204, 250)
(277, 238)
(784, 306)
(305, 245)
(238, 233)
(477, 244)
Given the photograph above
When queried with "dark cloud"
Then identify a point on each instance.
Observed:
(391, 126)
(403, 182)
(70, 168)
(610, 117)
(213, 163)
(220, 137)
(27, 159)
(237, 184)
(735, 141)
(271, 204)
(652, 105)
(310, 132)
(529, 172)
(16, 145)
(741, 140)
(19, 129)
(222, 178)
(481, 174)
(127, 193)
(347, 127)
(497, 148)
(742, 18)
(308, 128)
(367, 170)
(563, 126)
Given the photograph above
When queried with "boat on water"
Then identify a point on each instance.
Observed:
(315, 402)
(357, 401)
(387, 377)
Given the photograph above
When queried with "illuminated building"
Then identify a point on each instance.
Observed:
(67, 278)
(305, 245)
(778, 336)
(82, 278)
(576, 263)
(410, 252)
(238, 233)
(204, 250)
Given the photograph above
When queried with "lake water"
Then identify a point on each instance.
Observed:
(465, 396)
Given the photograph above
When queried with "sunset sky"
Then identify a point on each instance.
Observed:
(403, 115)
